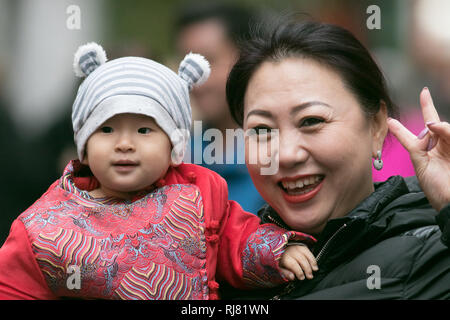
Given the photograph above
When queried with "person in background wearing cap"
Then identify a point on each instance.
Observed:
(213, 30)
(128, 220)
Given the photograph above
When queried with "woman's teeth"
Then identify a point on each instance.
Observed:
(300, 183)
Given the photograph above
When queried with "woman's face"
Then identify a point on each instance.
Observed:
(326, 143)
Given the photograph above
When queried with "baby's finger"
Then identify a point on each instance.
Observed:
(286, 274)
(311, 259)
(293, 265)
(306, 267)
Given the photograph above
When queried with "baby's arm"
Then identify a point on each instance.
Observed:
(20, 275)
(298, 261)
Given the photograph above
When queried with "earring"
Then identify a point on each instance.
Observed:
(378, 163)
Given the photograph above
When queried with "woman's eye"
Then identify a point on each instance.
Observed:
(144, 130)
(309, 122)
(106, 129)
(260, 130)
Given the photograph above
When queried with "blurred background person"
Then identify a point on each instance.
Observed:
(37, 42)
(213, 29)
(12, 169)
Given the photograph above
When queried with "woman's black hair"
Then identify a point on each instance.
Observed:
(327, 44)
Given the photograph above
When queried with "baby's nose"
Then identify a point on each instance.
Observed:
(125, 143)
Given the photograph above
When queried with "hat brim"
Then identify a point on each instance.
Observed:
(120, 104)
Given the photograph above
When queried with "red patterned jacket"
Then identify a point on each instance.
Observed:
(174, 242)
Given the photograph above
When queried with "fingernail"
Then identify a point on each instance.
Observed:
(430, 123)
(431, 144)
(423, 133)
(426, 88)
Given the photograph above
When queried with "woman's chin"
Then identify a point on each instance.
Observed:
(308, 220)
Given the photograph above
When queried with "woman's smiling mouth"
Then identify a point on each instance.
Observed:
(301, 188)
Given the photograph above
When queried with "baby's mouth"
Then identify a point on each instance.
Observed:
(125, 165)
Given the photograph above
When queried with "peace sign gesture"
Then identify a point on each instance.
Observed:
(429, 152)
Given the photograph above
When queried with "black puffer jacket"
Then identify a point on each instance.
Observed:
(389, 247)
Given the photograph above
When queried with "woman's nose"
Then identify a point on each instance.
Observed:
(124, 143)
(291, 151)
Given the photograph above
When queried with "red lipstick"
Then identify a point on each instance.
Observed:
(303, 197)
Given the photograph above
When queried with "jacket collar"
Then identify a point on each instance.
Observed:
(79, 180)
(388, 211)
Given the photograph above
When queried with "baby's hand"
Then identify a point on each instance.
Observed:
(298, 261)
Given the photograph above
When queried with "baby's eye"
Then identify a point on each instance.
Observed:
(106, 129)
(144, 130)
(309, 122)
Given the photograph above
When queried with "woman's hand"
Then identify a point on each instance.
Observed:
(429, 152)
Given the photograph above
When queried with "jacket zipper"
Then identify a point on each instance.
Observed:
(290, 286)
(320, 254)
(275, 221)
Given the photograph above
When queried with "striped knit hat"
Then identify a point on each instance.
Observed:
(135, 85)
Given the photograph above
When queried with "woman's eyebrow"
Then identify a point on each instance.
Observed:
(259, 112)
(308, 104)
(268, 114)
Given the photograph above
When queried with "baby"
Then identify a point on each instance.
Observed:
(129, 220)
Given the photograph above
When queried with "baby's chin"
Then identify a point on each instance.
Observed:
(127, 192)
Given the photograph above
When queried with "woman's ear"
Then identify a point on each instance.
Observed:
(379, 128)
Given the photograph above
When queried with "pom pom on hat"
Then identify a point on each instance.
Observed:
(194, 69)
(87, 58)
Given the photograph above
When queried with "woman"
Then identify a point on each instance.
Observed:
(319, 87)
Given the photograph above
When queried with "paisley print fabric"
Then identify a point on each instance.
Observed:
(175, 240)
(152, 248)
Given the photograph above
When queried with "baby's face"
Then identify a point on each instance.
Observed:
(128, 153)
